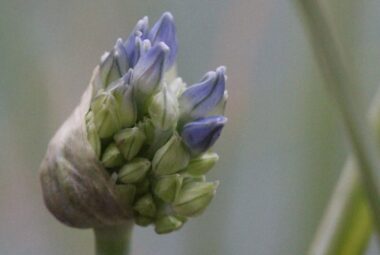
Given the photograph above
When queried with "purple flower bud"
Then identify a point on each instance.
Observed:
(131, 45)
(148, 72)
(164, 30)
(121, 57)
(201, 134)
(201, 98)
(113, 64)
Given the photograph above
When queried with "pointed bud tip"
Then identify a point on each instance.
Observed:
(164, 47)
(167, 15)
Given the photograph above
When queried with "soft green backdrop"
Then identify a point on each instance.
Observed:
(281, 152)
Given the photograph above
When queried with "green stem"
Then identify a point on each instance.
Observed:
(113, 240)
(347, 224)
(341, 85)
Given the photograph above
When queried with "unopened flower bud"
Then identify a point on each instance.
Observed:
(147, 127)
(106, 117)
(114, 64)
(202, 164)
(124, 95)
(189, 178)
(171, 157)
(167, 187)
(92, 133)
(121, 58)
(201, 98)
(112, 157)
(151, 126)
(201, 134)
(130, 141)
(126, 193)
(131, 44)
(163, 109)
(134, 171)
(167, 224)
(164, 30)
(146, 206)
(143, 221)
(194, 197)
(149, 70)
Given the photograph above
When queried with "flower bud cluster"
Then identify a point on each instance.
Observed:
(151, 132)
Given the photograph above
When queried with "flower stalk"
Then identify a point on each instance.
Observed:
(341, 84)
(113, 240)
(347, 224)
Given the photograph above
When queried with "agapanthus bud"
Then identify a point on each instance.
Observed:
(92, 133)
(189, 178)
(151, 126)
(147, 127)
(171, 157)
(112, 157)
(126, 104)
(107, 71)
(167, 187)
(201, 134)
(167, 224)
(194, 197)
(146, 206)
(139, 32)
(134, 171)
(164, 30)
(130, 141)
(202, 164)
(113, 65)
(163, 109)
(149, 70)
(201, 98)
(121, 58)
(106, 115)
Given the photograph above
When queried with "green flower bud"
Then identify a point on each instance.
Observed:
(171, 157)
(146, 206)
(194, 197)
(202, 164)
(148, 128)
(92, 133)
(167, 187)
(112, 157)
(167, 224)
(124, 95)
(163, 109)
(155, 138)
(134, 171)
(143, 221)
(130, 141)
(126, 194)
(190, 178)
(143, 187)
(106, 118)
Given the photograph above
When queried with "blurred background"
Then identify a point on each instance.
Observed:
(281, 152)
